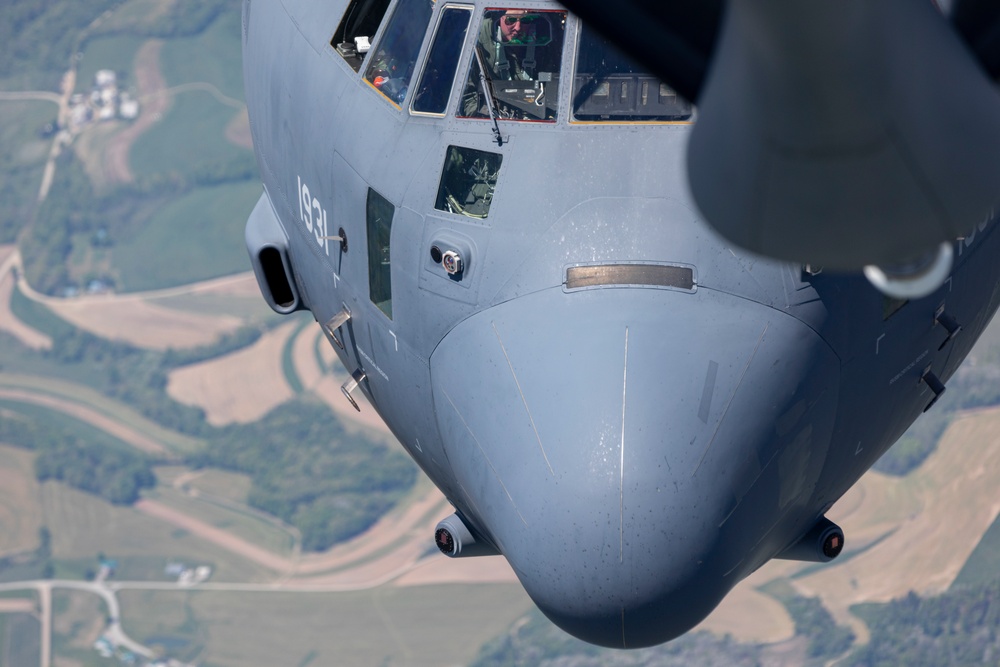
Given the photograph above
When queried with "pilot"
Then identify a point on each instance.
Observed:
(508, 41)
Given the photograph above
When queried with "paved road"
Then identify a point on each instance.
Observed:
(108, 591)
(30, 96)
(114, 632)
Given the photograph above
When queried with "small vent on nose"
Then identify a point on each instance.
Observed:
(652, 275)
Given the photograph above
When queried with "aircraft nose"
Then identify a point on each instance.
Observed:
(610, 442)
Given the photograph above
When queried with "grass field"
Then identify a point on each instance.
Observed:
(20, 507)
(288, 358)
(115, 52)
(983, 565)
(252, 309)
(83, 526)
(190, 136)
(22, 158)
(37, 315)
(20, 141)
(240, 521)
(196, 237)
(78, 619)
(214, 56)
(224, 484)
(136, 16)
(27, 594)
(20, 640)
(86, 396)
(81, 429)
(937, 515)
(424, 625)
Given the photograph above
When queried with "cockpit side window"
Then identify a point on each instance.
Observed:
(609, 86)
(521, 52)
(391, 66)
(436, 80)
(357, 29)
(379, 212)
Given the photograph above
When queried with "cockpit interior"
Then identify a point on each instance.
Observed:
(513, 66)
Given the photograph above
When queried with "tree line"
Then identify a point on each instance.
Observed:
(117, 474)
(305, 468)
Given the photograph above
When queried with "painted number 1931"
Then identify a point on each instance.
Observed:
(313, 216)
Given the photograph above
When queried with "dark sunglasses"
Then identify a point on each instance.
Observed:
(527, 18)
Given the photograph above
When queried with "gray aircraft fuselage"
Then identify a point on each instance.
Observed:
(636, 414)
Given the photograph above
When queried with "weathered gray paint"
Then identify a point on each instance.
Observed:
(633, 451)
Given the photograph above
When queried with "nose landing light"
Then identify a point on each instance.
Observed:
(823, 543)
(454, 539)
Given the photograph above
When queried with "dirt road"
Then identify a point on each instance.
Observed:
(10, 259)
(83, 413)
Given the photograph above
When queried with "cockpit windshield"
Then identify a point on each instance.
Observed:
(611, 87)
(389, 71)
(521, 51)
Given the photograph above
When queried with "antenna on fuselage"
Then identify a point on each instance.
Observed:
(491, 100)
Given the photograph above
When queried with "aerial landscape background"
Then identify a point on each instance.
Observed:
(182, 482)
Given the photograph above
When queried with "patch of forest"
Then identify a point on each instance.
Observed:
(305, 467)
(308, 471)
(80, 217)
(960, 627)
(74, 456)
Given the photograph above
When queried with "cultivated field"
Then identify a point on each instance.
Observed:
(196, 237)
(231, 486)
(233, 518)
(78, 620)
(8, 322)
(416, 626)
(20, 510)
(936, 517)
(90, 406)
(239, 387)
(143, 323)
(83, 526)
(909, 534)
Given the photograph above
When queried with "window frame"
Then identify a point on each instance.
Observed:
(419, 56)
(471, 10)
(565, 53)
(466, 151)
(341, 28)
(571, 118)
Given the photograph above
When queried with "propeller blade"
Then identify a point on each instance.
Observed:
(844, 134)
(978, 21)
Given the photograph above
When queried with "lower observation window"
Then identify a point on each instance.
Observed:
(468, 180)
(379, 213)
